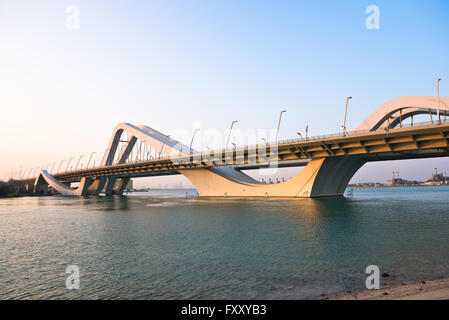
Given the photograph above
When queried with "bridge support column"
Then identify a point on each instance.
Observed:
(120, 186)
(97, 186)
(334, 175)
(29, 187)
(83, 187)
(40, 185)
(110, 185)
(320, 178)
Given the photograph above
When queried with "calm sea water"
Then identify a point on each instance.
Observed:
(164, 245)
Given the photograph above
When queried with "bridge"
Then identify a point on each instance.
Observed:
(329, 161)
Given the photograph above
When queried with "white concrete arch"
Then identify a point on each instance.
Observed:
(399, 109)
(152, 137)
(163, 142)
(45, 179)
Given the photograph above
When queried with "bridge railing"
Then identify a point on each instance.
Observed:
(197, 155)
(300, 139)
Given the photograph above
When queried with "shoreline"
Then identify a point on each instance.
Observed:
(396, 186)
(437, 289)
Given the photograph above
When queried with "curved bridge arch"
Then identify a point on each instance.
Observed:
(399, 109)
(45, 179)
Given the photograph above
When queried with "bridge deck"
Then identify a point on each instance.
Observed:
(400, 143)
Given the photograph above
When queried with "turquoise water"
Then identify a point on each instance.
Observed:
(164, 245)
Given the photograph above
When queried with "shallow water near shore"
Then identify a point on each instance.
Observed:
(164, 245)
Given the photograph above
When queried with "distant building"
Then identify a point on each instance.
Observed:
(437, 179)
(397, 181)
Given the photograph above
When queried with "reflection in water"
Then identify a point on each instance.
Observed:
(167, 245)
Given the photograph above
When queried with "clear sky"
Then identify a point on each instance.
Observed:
(174, 64)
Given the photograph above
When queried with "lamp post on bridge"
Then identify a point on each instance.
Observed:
(163, 144)
(191, 142)
(229, 135)
(79, 161)
(142, 150)
(60, 166)
(346, 111)
(90, 159)
(279, 124)
(438, 100)
(53, 166)
(299, 134)
(67, 166)
(104, 155)
(265, 140)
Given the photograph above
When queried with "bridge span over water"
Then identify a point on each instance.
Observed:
(330, 161)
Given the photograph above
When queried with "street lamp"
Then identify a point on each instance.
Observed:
(142, 150)
(191, 142)
(307, 131)
(29, 173)
(67, 166)
(229, 135)
(299, 134)
(165, 139)
(79, 161)
(346, 111)
(279, 124)
(103, 159)
(51, 170)
(265, 140)
(60, 166)
(90, 159)
(234, 145)
(438, 100)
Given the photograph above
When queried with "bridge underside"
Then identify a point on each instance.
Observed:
(323, 177)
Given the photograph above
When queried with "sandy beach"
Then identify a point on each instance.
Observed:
(423, 290)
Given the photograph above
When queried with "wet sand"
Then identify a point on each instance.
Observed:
(423, 290)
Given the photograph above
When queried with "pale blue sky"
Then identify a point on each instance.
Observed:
(169, 64)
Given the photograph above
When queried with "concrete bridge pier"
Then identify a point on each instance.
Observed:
(41, 185)
(110, 184)
(97, 186)
(320, 178)
(334, 175)
(120, 186)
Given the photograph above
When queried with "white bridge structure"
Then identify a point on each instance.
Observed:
(330, 161)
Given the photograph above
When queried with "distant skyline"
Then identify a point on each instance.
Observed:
(73, 69)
